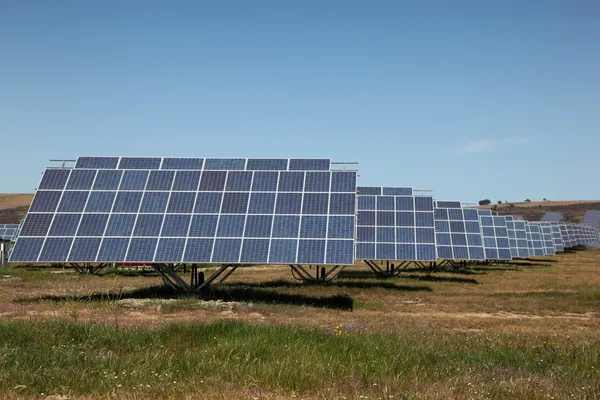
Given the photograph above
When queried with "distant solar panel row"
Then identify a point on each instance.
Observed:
(8, 231)
(229, 164)
(554, 216)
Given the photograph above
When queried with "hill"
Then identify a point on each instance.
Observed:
(13, 207)
(572, 210)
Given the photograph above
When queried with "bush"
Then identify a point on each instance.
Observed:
(485, 202)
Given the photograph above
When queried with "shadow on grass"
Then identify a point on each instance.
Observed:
(225, 293)
(434, 278)
(340, 282)
(406, 275)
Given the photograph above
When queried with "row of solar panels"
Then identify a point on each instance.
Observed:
(590, 219)
(115, 209)
(8, 231)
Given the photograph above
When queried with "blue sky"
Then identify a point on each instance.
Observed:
(473, 99)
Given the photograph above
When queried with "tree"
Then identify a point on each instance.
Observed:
(527, 201)
(485, 202)
(494, 207)
(544, 199)
(499, 201)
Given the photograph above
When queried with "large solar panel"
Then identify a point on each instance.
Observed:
(495, 236)
(553, 216)
(8, 231)
(517, 237)
(547, 239)
(592, 219)
(119, 209)
(395, 225)
(556, 236)
(457, 232)
(534, 238)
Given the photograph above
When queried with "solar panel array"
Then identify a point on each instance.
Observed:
(395, 225)
(592, 219)
(547, 239)
(458, 235)
(554, 216)
(170, 210)
(495, 236)
(534, 239)
(556, 236)
(8, 231)
(517, 237)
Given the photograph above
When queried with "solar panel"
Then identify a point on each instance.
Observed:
(517, 237)
(592, 219)
(395, 227)
(556, 236)
(554, 216)
(457, 231)
(534, 238)
(147, 210)
(566, 238)
(8, 231)
(448, 204)
(495, 236)
(547, 239)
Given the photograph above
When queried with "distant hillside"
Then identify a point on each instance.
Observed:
(13, 207)
(572, 210)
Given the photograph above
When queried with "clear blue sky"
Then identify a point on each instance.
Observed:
(473, 99)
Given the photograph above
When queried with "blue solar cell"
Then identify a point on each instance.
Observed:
(120, 225)
(425, 235)
(108, 179)
(288, 203)
(92, 225)
(278, 164)
(187, 180)
(97, 162)
(365, 251)
(448, 204)
(486, 221)
(405, 235)
(208, 203)
(386, 218)
(455, 215)
(134, 180)
(73, 201)
(311, 252)
(406, 252)
(285, 226)
(440, 213)
(501, 231)
(203, 226)
(231, 226)
(65, 225)
(176, 225)
(113, 250)
(142, 249)
(340, 227)
(442, 226)
(283, 251)
(443, 239)
(127, 202)
(181, 202)
(404, 219)
(308, 164)
(458, 239)
(317, 182)
(344, 182)
(457, 226)
(139, 163)
(489, 242)
(367, 202)
(160, 180)
(261, 203)
(258, 226)
(491, 253)
(212, 181)
(426, 252)
(502, 242)
(56, 249)
(499, 221)
(313, 227)
(424, 219)
(265, 181)
(474, 240)
(36, 225)
(84, 249)
(368, 190)
(148, 225)
(476, 253)
(227, 250)
(315, 203)
(471, 215)
(291, 181)
(340, 252)
(404, 204)
(182, 163)
(170, 250)
(235, 203)
(366, 218)
(198, 250)
(230, 164)
(45, 201)
(386, 235)
(342, 203)
(461, 253)
(365, 234)
(239, 181)
(445, 252)
(386, 203)
(54, 179)
(100, 201)
(81, 179)
(423, 203)
(26, 249)
(397, 191)
(255, 251)
(472, 227)
(487, 231)
(385, 251)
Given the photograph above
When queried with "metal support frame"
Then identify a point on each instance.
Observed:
(198, 283)
(87, 268)
(321, 274)
(388, 270)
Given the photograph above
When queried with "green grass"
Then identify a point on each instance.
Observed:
(57, 357)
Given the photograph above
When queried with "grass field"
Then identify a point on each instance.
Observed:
(525, 329)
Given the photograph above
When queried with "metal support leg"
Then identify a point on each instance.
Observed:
(321, 274)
